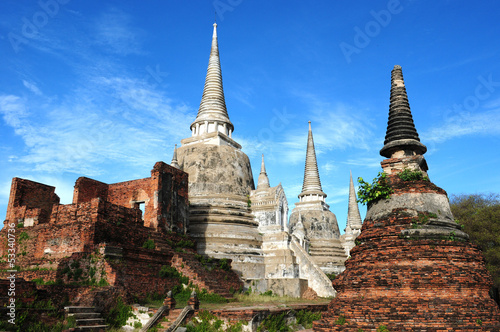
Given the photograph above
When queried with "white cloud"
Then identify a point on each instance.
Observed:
(32, 87)
(465, 123)
(114, 33)
(115, 119)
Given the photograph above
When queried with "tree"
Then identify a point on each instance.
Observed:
(480, 216)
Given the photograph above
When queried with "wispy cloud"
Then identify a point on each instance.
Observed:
(114, 119)
(334, 127)
(373, 162)
(32, 87)
(465, 123)
(114, 33)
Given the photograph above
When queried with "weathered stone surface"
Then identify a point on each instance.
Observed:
(220, 181)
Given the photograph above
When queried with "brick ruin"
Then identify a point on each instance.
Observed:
(103, 239)
(413, 268)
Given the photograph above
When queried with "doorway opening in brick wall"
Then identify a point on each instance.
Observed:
(141, 206)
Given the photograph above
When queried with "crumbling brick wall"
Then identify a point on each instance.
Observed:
(30, 202)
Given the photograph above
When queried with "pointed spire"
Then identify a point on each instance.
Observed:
(263, 182)
(312, 183)
(401, 133)
(174, 162)
(213, 105)
(353, 216)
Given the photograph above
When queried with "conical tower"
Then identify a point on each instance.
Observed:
(401, 134)
(212, 124)
(319, 222)
(220, 181)
(311, 187)
(354, 223)
(353, 216)
(413, 269)
(263, 181)
(174, 162)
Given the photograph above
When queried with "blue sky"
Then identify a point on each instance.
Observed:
(105, 89)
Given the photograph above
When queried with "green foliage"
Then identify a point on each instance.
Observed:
(341, 320)
(20, 225)
(118, 314)
(224, 264)
(185, 244)
(169, 272)
(149, 244)
(378, 189)
(480, 216)
(274, 323)
(206, 297)
(332, 276)
(137, 325)
(382, 328)
(267, 293)
(305, 318)
(408, 175)
(208, 322)
(23, 236)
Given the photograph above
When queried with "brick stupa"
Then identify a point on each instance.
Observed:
(413, 269)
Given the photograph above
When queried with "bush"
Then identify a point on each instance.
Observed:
(118, 315)
(305, 318)
(407, 175)
(149, 244)
(224, 264)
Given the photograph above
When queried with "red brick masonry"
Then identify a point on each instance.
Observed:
(411, 284)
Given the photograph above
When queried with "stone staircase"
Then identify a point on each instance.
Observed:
(192, 268)
(317, 279)
(87, 319)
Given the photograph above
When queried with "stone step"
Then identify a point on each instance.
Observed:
(89, 322)
(85, 315)
(94, 328)
(75, 309)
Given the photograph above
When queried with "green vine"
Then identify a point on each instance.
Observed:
(378, 189)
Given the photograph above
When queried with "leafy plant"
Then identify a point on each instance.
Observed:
(23, 236)
(118, 315)
(149, 244)
(224, 264)
(408, 175)
(382, 328)
(305, 318)
(332, 276)
(341, 320)
(378, 189)
(274, 323)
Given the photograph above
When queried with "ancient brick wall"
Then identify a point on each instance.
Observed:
(87, 189)
(30, 202)
(173, 201)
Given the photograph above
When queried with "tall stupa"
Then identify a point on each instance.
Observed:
(220, 181)
(413, 269)
(314, 215)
